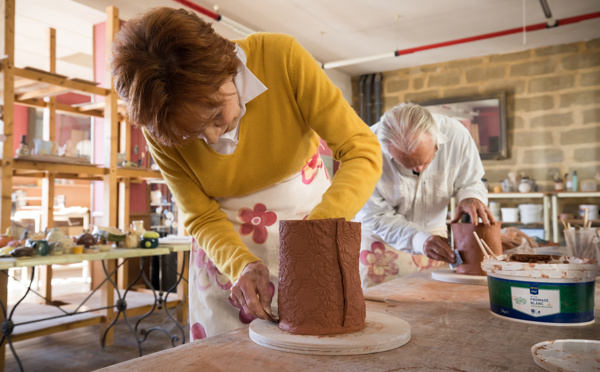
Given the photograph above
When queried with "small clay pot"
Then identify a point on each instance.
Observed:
(22, 252)
(469, 250)
(87, 240)
(149, 242)
(4, 239)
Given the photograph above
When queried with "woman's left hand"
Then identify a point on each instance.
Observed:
(251, 291)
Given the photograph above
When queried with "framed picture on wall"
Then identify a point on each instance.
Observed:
(484, 117)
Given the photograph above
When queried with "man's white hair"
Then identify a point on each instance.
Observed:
(405, 124)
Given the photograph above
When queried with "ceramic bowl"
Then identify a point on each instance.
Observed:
(104, 247)
(87, 240)
(42, 147)
(55, 235)
(56, 248)
(149, 243)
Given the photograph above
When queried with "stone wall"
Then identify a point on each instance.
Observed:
(553, 104)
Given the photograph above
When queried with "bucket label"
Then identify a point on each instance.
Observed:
(534, 301)
(542, 302)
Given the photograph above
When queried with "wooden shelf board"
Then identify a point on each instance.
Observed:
(579, 194)
(49, 91)
(21, 166)
(526, 225)
(579, 221)
(29, 168)
(53, 79)
(90, 106)
(39, 103)
(516, 195)
(140, 173)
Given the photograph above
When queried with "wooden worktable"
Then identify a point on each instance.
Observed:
(452, 330)
(28, 321)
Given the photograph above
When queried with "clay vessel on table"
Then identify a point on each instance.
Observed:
(469, 250)
(319, 283)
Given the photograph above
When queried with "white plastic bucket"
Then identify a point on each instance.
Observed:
(560, 292)
(510, 214)
(592, 211)
(531, 213)
(495, 209)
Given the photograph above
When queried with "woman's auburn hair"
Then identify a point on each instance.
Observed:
(168, 66)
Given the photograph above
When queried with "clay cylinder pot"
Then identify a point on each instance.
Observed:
(319, 283)
(470, 252)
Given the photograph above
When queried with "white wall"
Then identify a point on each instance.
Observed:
(342, 81)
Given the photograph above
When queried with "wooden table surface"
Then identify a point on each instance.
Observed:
(452, 329)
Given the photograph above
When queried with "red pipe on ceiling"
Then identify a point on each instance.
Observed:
(516, 30)
(199, 9)
(396, 53)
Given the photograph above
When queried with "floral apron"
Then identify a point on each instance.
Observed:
(380, 263)
(256, 218)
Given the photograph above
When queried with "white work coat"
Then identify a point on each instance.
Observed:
(405, 209)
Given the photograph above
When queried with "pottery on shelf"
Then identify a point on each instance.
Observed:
(86, 239)
(149, 239)
(23, 149)
(110, 234)
(131, 240)
(524, 186)
(149, 243)
(54, 235)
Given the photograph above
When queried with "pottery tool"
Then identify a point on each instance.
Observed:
(490, 251)
(481, 243)
(564, 223)
(485, 254)
(272, 317)
(458, 261)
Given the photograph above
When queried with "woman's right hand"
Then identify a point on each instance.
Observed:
(251, 291)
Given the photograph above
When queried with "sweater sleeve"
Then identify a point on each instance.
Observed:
(349, 138)
(203, 217)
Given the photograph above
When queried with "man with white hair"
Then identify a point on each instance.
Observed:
(427, 160)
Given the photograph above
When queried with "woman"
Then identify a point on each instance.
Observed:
(234, 128)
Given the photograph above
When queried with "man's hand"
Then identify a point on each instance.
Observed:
(437, 248)
(251, 291)
(475, 209)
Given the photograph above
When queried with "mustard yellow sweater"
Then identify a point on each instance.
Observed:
(278, 134)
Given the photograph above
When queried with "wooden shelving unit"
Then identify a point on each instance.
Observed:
(36, 88)
(571, 195)
(545, 199)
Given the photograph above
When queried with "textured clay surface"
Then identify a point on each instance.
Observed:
(319, 282)
(469, 250)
